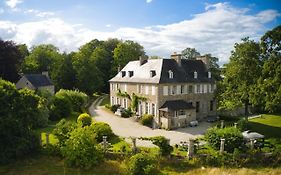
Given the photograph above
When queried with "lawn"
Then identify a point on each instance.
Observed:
(269, 125)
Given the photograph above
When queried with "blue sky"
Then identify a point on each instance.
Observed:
(161, 26)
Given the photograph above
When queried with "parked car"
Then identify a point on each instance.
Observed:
(119, 111)
(193, 123)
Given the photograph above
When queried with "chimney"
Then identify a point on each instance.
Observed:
(118, 68)
(205, 60)
(176, 57)
(143, 60)
(46, 73)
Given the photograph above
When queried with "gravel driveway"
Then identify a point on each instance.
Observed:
(127, 127)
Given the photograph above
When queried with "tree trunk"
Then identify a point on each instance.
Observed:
(246, 109)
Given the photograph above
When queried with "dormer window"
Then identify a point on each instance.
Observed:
(171, 74)
(195, 75)
(152, 73)
(123, 73)
(209, 75)
(131, 73)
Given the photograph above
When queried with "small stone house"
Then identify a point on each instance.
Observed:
(36, 82)
(177, 90)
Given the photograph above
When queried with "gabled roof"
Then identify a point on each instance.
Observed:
(181, 74)
(38, 80)
(176, 105)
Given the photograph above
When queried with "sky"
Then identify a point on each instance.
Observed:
(161, 26)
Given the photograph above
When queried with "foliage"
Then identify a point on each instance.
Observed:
(135, 101)
(242, 124)
(162, 143)
(233, 138)
(241, 74)
(85, 119)
(113, 108)
(11, 57)
(126, 113)
(147, 120)
(60, 108)
(21, 111)
(101, 129)
(190, 53)
(142, 164)
(81, 149)
(123, 94)
(63, 130)
(77, 99)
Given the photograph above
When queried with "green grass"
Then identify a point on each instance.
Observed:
(268, 125)
(105, 101)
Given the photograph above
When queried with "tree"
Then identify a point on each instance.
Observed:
(10, 60)
(241, 74)
(190, 53)
(214, 68)
(60, 107)
(270, 81)
(125, 52)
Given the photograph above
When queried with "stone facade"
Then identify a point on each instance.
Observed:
(200, 94)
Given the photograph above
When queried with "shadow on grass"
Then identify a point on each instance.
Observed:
(267, 130)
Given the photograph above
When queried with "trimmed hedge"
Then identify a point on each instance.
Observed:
(147, 120)
(101, 129)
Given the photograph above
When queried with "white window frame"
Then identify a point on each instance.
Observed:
(146, 89)
(205, 88)
(171, 74)
(152, 90)
(178, 89)
(165, 90)
(195, 75)
(209, 75)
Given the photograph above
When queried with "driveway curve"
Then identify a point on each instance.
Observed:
(127, 127)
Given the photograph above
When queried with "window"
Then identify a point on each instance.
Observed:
(198, 88)
(181, 112)
(152, 90)
(211, 105)
(138, 88)
(165, 90)
(125, 103)
(178, 89)
(209, 75)
(171, 75)
(210, 88)
(117, 86)
(190, 88)
(152, 73)
(153, 109)
(131, 73)
(182, 89)
(146, 108)
(146, 89)
(195, 75)
(197, 106)
(173, 90)
(205, 88)
(201, 88)
(112, 86)
(123, 73)
(112, 101)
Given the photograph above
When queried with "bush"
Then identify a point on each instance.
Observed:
(147, 120)
(113, 108)
(77, 99)
(60, 108)
(81, 149)
(126, 113)
(142, 164)
(162, 143)
(101, 129)
(85, 119)
(242, 124)
(233, 138)
(63, 130)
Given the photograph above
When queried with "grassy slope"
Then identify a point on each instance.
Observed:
(269, 125)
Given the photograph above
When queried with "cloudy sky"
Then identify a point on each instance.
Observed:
(161, 26)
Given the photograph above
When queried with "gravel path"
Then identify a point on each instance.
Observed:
(127, 127)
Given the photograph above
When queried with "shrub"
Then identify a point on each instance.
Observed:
(242, 124)
(113, 108)
(101, 129)
(147, 120)
(81, 149)
(85, 119)
(162, 143)
(60, 108)
(63, 130)
(126, 113)
(233, 138)
(77, 99)
(142, 164)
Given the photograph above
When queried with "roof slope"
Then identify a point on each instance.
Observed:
(38, 80)
(176, 105)
(181, 74)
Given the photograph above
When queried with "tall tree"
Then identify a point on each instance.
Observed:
(190, 53)
(214, 67)
(10, 60)
(270, 81)
(125, 52)
(241, 74)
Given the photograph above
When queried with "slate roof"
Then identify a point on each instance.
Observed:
(176, 105)
(38, 80)
(181, 74)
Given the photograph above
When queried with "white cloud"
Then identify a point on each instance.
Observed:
(13, 3)
(148, 1)
(39, 13)
(108, 25)
(214, 31)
